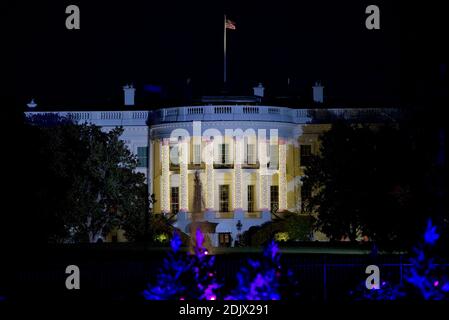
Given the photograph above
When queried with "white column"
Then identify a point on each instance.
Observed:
(282, 175)
(150, 166)
(209, 162)
(238, 160)
(165, 176)
(264, 192)
(183, 183)
(264, 177)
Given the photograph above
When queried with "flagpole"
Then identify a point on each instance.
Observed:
(224, 51)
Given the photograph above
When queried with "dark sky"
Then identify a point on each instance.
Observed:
(169, 41)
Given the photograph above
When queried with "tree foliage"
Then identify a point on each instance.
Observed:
(299, 227)
(186, 276)
(366, 181)
(83, 181)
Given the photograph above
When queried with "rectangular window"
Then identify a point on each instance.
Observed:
(224, 153)
(224, 239)
(251, 154)
(142, 157)
(251, 207)
(274, 156)
(197, 154)
(306, 154)
(224, 197)
(274, 198)
(174, 200)
(174, 155)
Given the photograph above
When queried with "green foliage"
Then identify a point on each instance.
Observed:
(281, 236)
(296, 226)
(299, 226)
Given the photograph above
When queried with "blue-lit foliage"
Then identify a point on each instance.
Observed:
(259, 280)
(185, 276)
(386, 291)
(426, 274)
(425, 278)
(171, 281)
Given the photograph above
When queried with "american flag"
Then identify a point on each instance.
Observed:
(230, 24)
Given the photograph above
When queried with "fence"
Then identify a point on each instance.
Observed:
(320, 278)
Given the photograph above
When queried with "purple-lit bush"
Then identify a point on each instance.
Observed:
(425, 278)
(427, 274)
(185, 276)
(386, 291)
(259, 280)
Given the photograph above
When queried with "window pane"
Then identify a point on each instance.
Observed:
(142, 156)
(251, 154)
(251, 198)
(197, 154)
(224, 154)
(174, 155)
(224, 198)
(174, 200)
(274, 156)
(274, 198)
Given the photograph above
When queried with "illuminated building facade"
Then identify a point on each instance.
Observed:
(249, 159)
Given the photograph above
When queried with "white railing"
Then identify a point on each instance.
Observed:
(224, 112)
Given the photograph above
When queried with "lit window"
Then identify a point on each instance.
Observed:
(274, 198)
(174, 155)
(174, 200)
(250, 154)
(274, 156)
(251, 198)
(224, 153)
(197, 154)
(224, 198)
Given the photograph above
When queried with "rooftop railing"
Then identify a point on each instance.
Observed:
(223, 113)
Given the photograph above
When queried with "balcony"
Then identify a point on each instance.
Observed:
(223, 112)
(255, 165)
(197, 166)
(223, 165)
(224, 215)
(253, 215)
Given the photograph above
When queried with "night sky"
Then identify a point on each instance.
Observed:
(166, 42)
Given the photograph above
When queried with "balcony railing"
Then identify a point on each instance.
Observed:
(197, 166)
(255, 165)
(253, 215)
(218, 165)
(226, 112)
(217, 215)
(224, 215)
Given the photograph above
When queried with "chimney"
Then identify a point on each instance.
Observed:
(32, 104)
(318, 95)
(258, 91)
(129, 91)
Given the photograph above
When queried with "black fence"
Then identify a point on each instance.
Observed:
(123, 275)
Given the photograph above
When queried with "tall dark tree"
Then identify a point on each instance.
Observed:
(363, 182)
(84, 182)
